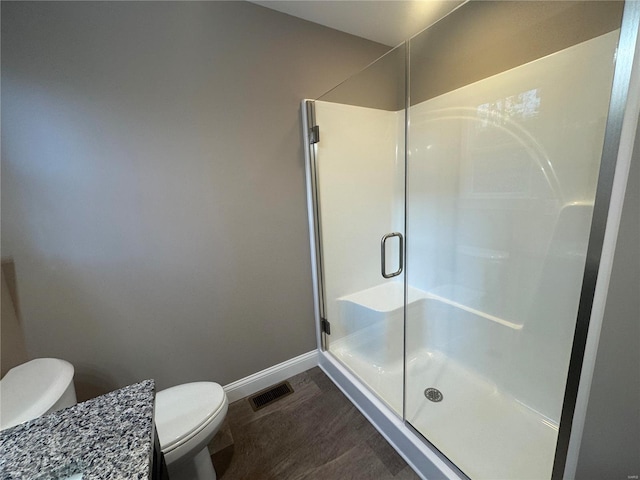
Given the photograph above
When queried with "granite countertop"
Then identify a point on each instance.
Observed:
(111, 436)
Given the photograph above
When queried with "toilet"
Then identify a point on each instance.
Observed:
(187, 417)
(35, 388)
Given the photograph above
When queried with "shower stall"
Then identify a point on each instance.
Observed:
(458, 190)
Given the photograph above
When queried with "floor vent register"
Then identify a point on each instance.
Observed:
(268, 396)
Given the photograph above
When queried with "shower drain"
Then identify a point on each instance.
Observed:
(433, 394)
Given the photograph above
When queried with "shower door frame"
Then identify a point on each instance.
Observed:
(307, 109)
(419, 453)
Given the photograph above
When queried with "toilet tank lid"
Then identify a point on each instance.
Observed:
(184, 409)
(31, 389)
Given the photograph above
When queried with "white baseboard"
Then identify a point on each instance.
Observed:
(267, 377)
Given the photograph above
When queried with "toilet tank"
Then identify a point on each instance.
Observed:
(35, 388)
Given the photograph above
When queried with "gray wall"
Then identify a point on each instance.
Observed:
(153, 195)
(381, 85)
(13, 351)
(611, 437)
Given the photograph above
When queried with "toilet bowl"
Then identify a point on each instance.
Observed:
(187, 417)
(35, 388)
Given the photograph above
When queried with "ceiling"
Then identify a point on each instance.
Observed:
(389, 22)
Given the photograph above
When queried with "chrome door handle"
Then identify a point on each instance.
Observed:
(383, 243)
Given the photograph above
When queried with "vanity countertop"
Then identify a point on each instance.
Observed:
(111, 436)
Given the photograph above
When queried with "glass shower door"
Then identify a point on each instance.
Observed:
(509, 102)
(359, 162)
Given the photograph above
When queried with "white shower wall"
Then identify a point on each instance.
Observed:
(502, 178)
(361, 190)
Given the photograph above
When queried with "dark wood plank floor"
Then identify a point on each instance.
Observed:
(314, 433)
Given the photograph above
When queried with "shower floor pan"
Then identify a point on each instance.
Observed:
(484, 432)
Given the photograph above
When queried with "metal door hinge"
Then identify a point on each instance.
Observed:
(325, 326)
(314, 135)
